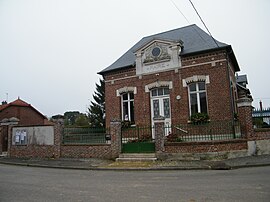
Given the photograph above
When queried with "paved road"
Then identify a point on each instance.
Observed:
(45, 184)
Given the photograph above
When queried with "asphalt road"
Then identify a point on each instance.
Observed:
(44, 184)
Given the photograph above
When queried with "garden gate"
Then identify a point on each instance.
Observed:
(137, 140)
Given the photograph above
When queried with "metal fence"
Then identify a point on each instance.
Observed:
(137, 134)
(76, 135)
(211, 131)
(261, 118)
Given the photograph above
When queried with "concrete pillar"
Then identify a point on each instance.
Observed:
(159, 134)
(115, 131)
(245, 117)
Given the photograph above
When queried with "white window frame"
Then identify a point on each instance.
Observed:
(129, 100)
(197, 92)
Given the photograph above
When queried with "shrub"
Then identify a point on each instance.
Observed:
(199, 118)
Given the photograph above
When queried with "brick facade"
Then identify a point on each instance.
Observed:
(219, 98)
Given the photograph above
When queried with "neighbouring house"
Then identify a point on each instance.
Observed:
(23, 114)
(173, 74)
(23, 111)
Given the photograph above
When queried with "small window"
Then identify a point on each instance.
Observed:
(160, 91)
(125, 96)
(201, 85)
(166, 91)
(154, 92)
(156, 51)
(192, 87)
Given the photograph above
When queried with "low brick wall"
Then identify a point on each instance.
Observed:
(86, 151)
(262, 134)
(203, 147)
(35, 150)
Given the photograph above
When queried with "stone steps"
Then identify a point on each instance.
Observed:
(137, 157)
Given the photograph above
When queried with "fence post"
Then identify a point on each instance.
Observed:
(159, 134)
(245, 116)
(115, 129)
(58, 135)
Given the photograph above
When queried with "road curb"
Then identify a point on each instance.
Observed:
(225, 167)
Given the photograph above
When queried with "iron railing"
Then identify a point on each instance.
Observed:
(137, 134)
(211, 131)
(76, 135)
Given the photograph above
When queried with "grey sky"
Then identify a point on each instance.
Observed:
(51, 50)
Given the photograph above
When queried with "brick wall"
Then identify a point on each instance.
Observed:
(36, 151)
(218, 90)
(26, 115)
(262, 134)
(202, 147)
(86, 151)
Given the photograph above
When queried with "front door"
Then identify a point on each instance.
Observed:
(160, 106)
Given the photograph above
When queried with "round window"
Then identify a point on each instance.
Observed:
(156, 51)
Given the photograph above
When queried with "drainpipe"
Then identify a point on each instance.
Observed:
(231, 93)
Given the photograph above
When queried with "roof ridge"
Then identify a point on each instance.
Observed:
(172, 30)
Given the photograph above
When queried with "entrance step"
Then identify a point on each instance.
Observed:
(4, 154)
(137, 157)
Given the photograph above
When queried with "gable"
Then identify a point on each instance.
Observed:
(18, 104)
(158, 55)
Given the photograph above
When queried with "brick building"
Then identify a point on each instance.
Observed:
(23, 111)
(18, 110)
(173, 74)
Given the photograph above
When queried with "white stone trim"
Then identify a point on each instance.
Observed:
(126, 89)
(204, 63)
(158, 84)
(244, 102)
(195, 78)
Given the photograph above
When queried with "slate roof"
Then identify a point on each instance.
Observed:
(241, 79)
(194, 40)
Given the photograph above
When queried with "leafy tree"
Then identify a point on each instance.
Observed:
(70, 118)
(96, 111)
(82, 120)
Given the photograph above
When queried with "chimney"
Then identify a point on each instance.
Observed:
(261, 107)
(4, 102)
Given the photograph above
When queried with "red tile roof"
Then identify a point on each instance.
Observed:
(19, 103)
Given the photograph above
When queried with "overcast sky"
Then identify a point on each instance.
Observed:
(51, 50)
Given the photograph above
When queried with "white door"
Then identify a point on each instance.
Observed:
(160, 106)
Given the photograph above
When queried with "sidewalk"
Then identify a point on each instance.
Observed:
(99, 164)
